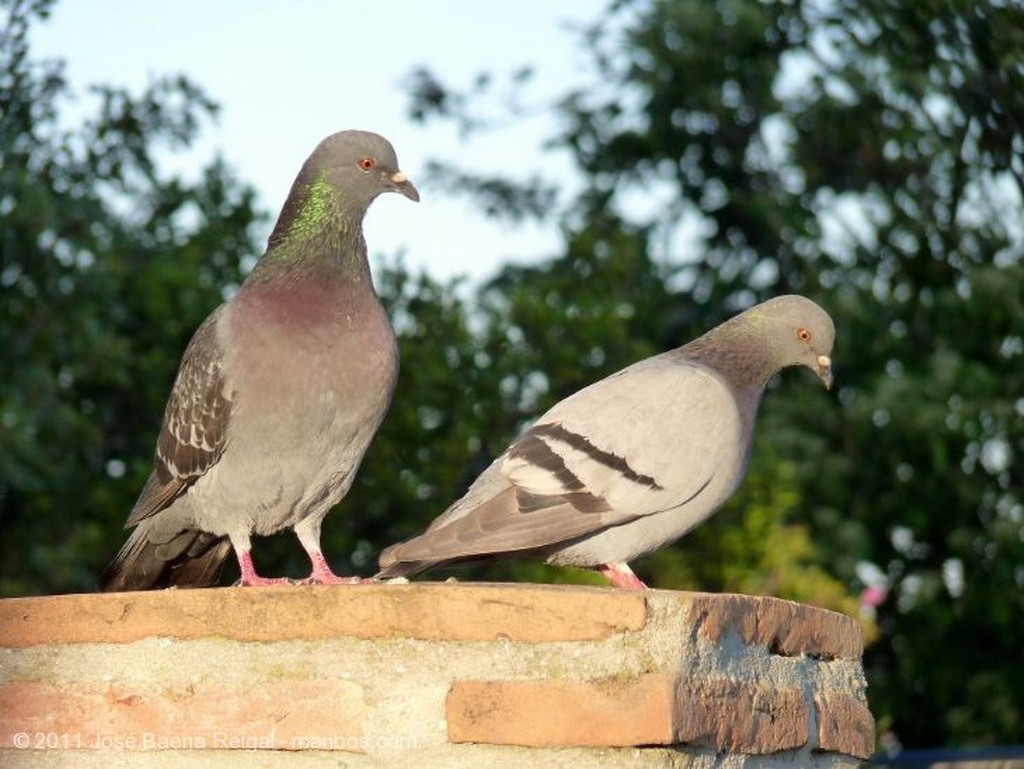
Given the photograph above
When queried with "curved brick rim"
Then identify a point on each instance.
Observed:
(540, 667)
(429, 611)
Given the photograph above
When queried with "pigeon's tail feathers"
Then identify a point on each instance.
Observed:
(191, 558)
(507, 525)
(442, 543)
(391, 565)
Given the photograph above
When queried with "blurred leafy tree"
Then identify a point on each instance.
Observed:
(867, 153)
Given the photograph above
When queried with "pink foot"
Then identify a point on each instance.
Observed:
(620, 575)
(322, 574)
(251, 579)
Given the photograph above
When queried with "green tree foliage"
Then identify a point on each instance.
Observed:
(867, 153)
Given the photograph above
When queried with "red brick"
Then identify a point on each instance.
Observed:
(736, 717)
(788, 629)
(449, 612)
(282, 716)
(845, 725)
(557, 713)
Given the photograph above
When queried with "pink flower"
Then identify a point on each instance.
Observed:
(874, 595)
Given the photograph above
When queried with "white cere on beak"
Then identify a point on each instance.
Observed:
(825, 371)
(398, 177)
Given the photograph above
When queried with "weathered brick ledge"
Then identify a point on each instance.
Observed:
(445, 675)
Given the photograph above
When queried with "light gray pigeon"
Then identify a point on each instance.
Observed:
(280, 390)
(629, 464)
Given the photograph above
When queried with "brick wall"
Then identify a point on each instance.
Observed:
(429, 675)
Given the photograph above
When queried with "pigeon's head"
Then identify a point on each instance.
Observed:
(798, 333)
(362, 164)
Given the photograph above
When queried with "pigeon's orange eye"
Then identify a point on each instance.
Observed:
(367, 164)
(803, 335)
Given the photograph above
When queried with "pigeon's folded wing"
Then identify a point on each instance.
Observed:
(192, 437)
(639, 442)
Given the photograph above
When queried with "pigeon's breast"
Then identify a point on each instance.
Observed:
(314, 343)
(311, 376)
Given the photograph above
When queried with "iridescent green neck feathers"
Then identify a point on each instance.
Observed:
(318, 227)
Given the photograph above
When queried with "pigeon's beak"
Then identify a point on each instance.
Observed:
(825, 371)
(401, 184)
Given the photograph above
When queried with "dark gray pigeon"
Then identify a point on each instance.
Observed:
(280, 390)
(629, 464)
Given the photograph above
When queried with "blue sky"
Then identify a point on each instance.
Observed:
(288, 74)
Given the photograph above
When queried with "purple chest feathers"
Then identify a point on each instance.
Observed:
(314, 335)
